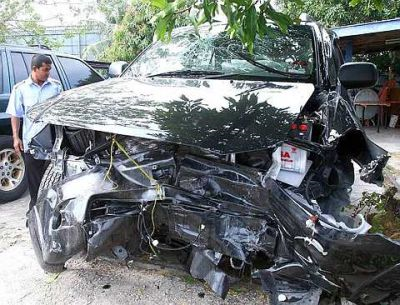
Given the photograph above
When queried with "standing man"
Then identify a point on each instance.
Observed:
(37, 88)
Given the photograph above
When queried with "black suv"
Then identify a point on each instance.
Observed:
(14, 67)
(239, 163)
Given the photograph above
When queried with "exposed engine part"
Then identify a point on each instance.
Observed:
(154, 197)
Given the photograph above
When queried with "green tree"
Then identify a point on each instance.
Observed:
(333, 13)
(18, 16)
(21, 23)
(113, 10)
(132, 32)
(245, 18)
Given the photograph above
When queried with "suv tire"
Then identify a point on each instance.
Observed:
(35, 238)
(13, 179)
(37, 213)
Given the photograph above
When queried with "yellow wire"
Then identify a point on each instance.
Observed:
(152, 249)
(121, 148)
(161, 197)
(159, 193)
(111, 161)
(158, 187)
(152, 218)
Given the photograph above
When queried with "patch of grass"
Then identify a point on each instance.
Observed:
(190, 280)
(382, 212)
(236, 290)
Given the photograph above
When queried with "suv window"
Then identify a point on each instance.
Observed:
(78, 73)
(19, 68)
(53, 72)
(287, 55)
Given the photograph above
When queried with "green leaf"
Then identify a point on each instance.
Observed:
(378, 5)
(161, 28)
(354, 2)
(161, 4)
(282, 20)
(207, 9)
(239, 2)
(250, 27)
(262, 25)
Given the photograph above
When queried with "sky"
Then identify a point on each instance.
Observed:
(65, 12)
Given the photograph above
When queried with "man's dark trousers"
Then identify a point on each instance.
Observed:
(34, 171)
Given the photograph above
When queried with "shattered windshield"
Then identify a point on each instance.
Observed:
(214, 54)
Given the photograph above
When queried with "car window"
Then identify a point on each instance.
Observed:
(291, 52)
(53, 72)
(78, 73)
(19, 68)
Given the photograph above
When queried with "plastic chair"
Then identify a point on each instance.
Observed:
(366, 101)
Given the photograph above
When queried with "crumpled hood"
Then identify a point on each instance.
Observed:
(221, 115)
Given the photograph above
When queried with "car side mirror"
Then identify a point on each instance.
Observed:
(116, 68)
(358, 75)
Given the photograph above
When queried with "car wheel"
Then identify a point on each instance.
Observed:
(50, 177)
(13, 179)
(34, 231)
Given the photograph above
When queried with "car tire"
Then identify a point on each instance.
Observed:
(50, 177)
(36, 244)
(13, 179)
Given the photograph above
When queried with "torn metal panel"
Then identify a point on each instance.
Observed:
(105, 234)
(289, 284)
(204, 267)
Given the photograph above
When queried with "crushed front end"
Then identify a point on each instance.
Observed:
(237, 178)
(226, 216)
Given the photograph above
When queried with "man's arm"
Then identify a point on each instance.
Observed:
(16, 110)
(15, 125)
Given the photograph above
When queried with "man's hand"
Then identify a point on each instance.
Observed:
(18, 145)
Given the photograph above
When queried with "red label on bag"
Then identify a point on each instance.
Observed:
(293, 158)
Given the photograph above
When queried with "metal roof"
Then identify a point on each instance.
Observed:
(368, 28)
(370, 37)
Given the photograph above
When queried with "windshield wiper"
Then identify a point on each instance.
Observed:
(186, 73)
(269, 69)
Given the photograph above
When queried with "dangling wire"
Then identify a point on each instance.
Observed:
(107, 175)
(122, 149)
(159, 192)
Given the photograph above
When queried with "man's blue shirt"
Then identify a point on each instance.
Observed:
(26, 94)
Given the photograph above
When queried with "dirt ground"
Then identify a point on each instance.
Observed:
(111, 282)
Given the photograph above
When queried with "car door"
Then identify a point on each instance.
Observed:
(4, 94)
(4, 83)
(77, 72)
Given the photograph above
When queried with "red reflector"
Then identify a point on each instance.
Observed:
(314, 218)
(293, 126)
(303, 127)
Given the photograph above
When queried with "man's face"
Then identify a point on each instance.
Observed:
(42, 73)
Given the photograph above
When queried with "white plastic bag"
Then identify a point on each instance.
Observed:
(293, 159)
(393, 120)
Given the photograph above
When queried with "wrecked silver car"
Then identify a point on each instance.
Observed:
(238, 163)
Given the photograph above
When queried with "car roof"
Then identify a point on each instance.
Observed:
(40, 50)
(219, 24)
